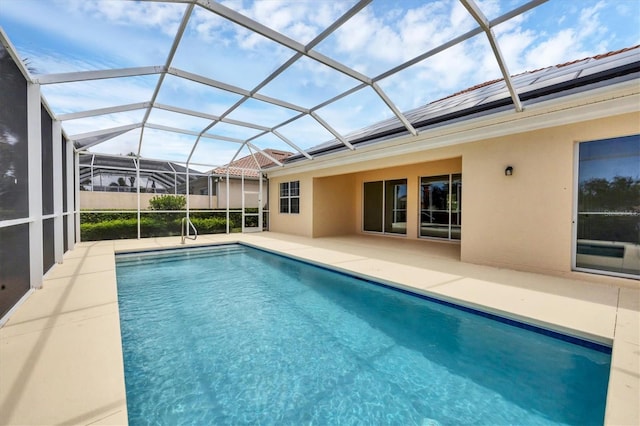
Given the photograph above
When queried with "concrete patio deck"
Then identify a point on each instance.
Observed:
(61, 354)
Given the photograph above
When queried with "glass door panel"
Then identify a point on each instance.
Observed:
(456, 206)
(434, 210)
(373, 196)
(608, 227)
(395, 206)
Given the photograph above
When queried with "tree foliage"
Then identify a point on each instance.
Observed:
(621, 193)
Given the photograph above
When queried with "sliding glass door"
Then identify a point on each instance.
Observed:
(373, 202)
(441, 206)
(608, 210)
(385, 206)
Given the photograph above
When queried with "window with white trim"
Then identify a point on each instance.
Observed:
(290, 197)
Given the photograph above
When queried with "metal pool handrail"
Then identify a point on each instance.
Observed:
(185, 221)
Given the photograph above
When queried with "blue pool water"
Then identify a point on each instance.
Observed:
(234, 335)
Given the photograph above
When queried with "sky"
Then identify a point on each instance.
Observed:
(57, 36)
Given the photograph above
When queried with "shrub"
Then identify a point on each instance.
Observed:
(105, 216)
(168, 202)
(110, 225)
(109, 230)
(211, 225)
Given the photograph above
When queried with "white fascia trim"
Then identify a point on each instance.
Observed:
(597, 103)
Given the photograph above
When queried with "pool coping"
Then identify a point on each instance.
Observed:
(97, 261)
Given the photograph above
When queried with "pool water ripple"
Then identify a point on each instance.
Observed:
(234, 335)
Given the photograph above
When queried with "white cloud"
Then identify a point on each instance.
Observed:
(587, 37)
(300, 20)
(89, 95)
(165, 17)
(116, 34)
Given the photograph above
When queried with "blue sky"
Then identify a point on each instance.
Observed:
(79, 35)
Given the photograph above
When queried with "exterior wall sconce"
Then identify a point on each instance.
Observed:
(508, 171)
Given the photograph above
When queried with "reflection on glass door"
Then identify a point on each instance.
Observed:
(396, 206)
(385, 206)
(441, 206)
(608, 219)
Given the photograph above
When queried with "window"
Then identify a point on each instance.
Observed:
(441, 206)
(385, 206)
(608, 209)
(290, 197)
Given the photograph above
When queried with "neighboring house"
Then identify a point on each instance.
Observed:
(552, 188)
(111, 182)
(244, 169)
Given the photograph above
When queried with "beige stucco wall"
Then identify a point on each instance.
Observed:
(334, 205)
(522, 222)
(129, 201)
(296, 224)
(525, 221)
(97, 200)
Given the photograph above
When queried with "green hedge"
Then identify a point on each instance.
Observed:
(113, 226)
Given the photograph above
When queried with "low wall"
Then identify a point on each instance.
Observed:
(90, 200)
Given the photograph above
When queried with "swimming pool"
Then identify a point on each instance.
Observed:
(235, 335)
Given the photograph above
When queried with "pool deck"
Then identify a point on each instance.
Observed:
(61, 355)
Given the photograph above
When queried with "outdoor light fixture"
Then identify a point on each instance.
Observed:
(508, 171)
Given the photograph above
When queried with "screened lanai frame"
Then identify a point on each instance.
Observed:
(83, 141)
(178, 179)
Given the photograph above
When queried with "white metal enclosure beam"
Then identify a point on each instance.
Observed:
(71, 77)
(70, 201)
(461, 38)
(34, 142)
(103, 111)
(331, 130)
(279, 38)
(263, 153)
(350, 13)
(116, 131)
(394, 109)
(192, 133)
(484, 23)
(4, 40)
(298, 49)
(172, 52)
(306, 50)
(58, 236)
(291, 144)
(210, 116)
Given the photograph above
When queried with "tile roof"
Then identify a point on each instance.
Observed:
(248, 163)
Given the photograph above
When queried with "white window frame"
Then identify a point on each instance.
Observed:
(288, 196)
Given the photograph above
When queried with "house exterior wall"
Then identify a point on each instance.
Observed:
(292, 223)
(334, 205)
(98, 200)
(524, 221)
(235, 194)
(521, 222)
